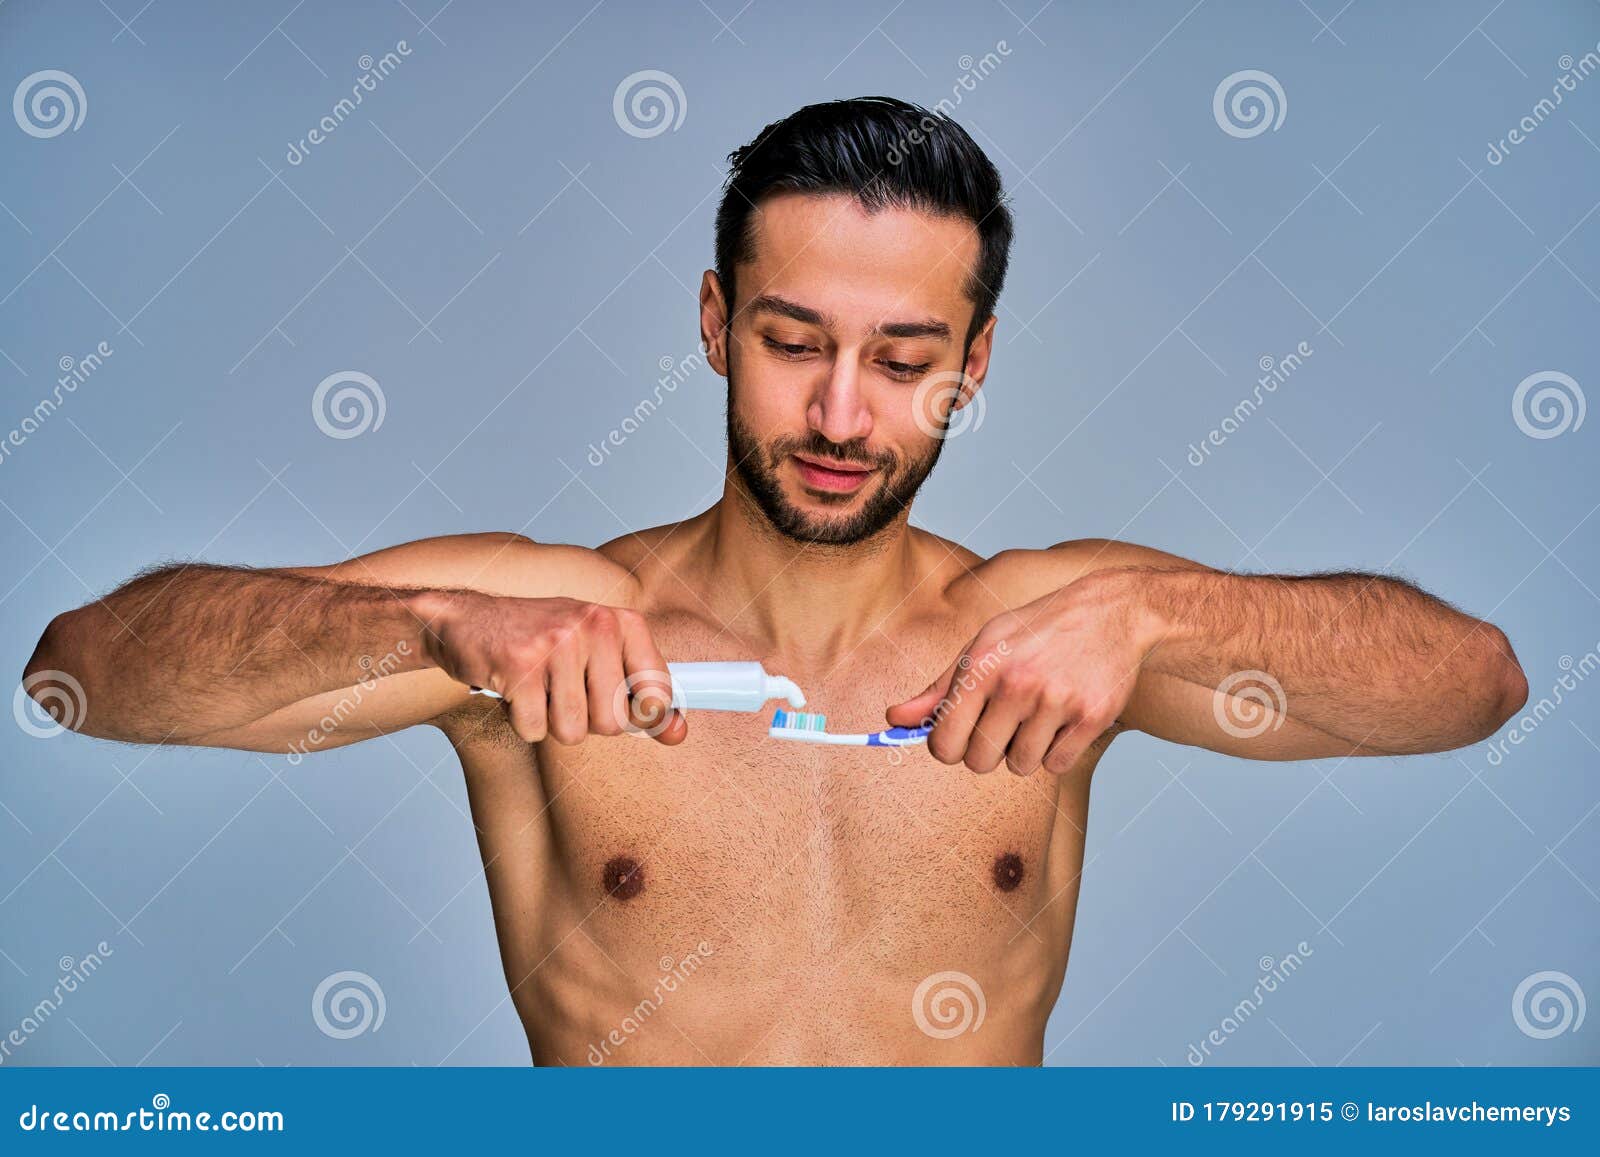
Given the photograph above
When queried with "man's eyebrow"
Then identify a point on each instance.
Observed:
(793, 310)
(783, 307)
(932, 327)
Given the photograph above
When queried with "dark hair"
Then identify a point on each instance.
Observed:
(884, 152)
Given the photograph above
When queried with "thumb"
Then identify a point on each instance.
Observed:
(920, 707)
(675, 732)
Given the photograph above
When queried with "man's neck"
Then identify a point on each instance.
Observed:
(813, 602)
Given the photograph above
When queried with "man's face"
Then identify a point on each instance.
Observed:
(833, 421)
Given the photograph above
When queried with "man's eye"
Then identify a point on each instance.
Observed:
(906, 370)
(788, 349)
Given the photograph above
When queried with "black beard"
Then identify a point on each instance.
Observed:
(758, 470)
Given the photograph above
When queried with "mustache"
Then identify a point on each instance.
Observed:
(856, 451)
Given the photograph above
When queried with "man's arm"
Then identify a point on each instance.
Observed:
(181, 652)
(1374, 662)
(1265, 667)
(232, 657)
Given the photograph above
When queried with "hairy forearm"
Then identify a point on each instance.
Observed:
(184, 651)
(1370, 659)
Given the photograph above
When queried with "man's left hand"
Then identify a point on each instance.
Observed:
(1038, 684)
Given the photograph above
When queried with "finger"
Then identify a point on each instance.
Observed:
(955, 716)
(649, 683)
(917, 710)
(569, 699)
(1027, 750)
(649, 702)
(529, 717)
(675, 732)
(1070, 744)
(992, 734)
(602, 678)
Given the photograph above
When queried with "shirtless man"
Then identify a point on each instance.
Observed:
(796, 896)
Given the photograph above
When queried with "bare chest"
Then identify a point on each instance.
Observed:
(737, 838)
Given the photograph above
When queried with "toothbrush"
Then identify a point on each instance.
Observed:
(808, 728)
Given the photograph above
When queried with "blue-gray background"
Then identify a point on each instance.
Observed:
(512, 268)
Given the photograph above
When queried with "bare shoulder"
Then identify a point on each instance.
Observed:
(494, 562)
(636, 549)
(1021, 575)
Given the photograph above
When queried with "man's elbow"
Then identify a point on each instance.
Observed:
(1505, 675)
(56, 676)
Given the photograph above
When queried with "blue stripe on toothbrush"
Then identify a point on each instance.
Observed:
(896, 736)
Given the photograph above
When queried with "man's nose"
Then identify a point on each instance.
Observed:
(839, 412)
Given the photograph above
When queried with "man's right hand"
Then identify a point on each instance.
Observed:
(263, 660)
(565, 669)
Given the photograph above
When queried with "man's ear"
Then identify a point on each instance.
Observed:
(714, 322)
(976, 367)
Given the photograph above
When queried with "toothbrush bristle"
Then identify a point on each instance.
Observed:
(799, 721)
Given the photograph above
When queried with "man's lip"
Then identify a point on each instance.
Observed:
(836, 467)
(841, 477)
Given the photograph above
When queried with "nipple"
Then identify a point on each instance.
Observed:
(1008, 872)
(623, 877)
